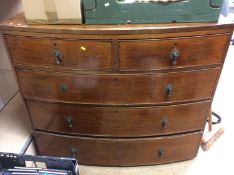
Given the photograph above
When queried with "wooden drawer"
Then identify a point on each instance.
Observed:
(120, 152)
(118, 121)
(71, 54)
(117, 89)
(143, 55)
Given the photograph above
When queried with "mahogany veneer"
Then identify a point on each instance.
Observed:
(153, 54)
(121, 152)
(118, 95)
(82, 55)
(110, 89)
(118, 121)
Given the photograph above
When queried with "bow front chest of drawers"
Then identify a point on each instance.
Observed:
(118, 95)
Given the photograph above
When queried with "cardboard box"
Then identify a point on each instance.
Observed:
(52, 11)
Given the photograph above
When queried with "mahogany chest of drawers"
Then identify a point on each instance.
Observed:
(122, 95)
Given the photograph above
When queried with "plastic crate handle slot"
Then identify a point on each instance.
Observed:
(217, 4)
(90, 5)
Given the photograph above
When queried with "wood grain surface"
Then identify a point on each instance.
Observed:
(76, 54)
(155, 54)
(117, 89)
(120, 152)
(118, 121)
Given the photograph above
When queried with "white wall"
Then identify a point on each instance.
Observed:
(8, 85)
(8, 8)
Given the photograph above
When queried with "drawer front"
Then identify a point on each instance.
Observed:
(62, 54)
(118, 121)
(120, 152)
(146, 55)
(116, 89)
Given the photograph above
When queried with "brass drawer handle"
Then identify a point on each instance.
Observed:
(69, 121)
(161, 152)
(164, 122)
(63, 88)
(174, 55)
(169, 90)
(58, 56)
(73, 152)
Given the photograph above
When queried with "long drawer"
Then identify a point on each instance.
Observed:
(117, 89)
(60, 54)
(118, 121)
(143, 55)
(120, 152)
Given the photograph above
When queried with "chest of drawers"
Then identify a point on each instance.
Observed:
(118, 95)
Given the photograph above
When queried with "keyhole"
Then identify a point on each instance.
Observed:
(116, 81)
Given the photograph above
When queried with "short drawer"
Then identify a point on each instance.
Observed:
(118, 121)
(120, 152)
(61, 54)
(118, 89)
(143, 55)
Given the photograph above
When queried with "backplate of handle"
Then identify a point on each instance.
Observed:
(164, 122)
(161, 152)
(73, 152)
(58, 56)
(169, 90)
(174, 55)
(63, 88)
(69, 121)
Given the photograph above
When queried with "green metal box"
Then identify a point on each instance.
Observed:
(150, 11)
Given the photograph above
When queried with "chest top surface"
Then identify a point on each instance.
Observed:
(18, 23)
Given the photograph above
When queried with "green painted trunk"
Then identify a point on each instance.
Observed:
(122, 12)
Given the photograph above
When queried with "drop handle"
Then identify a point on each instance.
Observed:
(58, 56)
(169, 90)
(164, 123)
(161, 152)
(73, 152)
(174, 55)
(69, 121)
